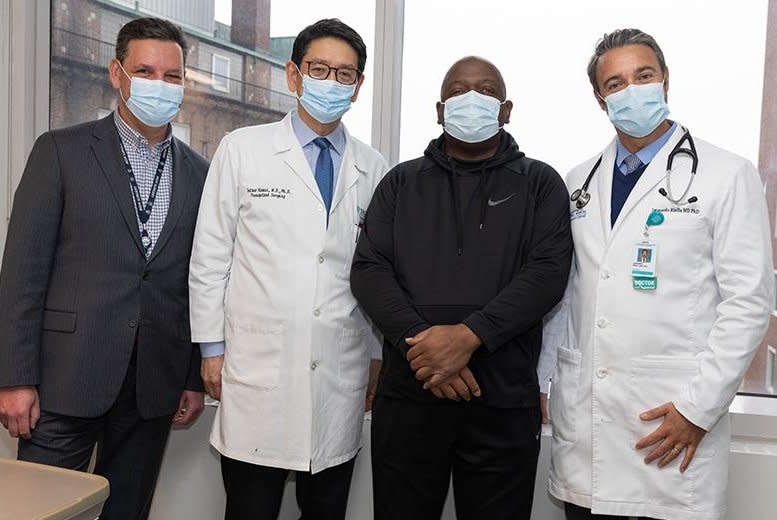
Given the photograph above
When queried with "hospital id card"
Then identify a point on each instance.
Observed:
(643, 267)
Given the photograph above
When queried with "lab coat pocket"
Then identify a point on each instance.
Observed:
(253, 353)
(354, 358)
(655, 380)
(563, 394)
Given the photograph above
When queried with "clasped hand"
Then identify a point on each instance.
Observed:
(439, 356)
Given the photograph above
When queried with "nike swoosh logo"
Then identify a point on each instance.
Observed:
(493, 203)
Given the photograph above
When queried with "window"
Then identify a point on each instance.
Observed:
(220, 95)
(542, 50)
(288, 18)
(235, 68)
(182, 132)
(220, 73)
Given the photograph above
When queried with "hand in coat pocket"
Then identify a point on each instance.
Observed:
(675, 435)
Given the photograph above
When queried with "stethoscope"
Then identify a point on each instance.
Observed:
(581, 197)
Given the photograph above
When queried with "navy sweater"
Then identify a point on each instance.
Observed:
(621, 189)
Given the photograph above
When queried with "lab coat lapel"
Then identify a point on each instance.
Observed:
(651, 177)
(603, 178)
(287, 146)
(349, 172)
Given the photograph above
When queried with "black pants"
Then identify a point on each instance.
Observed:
(574, 512)
(129, 450)
(491, 453)
(255, 492)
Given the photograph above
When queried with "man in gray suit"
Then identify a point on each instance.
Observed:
(95, 344)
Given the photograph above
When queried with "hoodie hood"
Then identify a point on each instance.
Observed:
(506, 152)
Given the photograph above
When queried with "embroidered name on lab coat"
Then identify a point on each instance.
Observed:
(272, 193)
(681, 210)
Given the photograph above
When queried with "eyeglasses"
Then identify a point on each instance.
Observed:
(343, 75)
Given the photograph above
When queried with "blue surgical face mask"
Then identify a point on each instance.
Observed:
(472, 117)
(153, 101)
(325, 100)
(637, 110)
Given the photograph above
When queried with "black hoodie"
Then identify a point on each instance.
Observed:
(484, 243)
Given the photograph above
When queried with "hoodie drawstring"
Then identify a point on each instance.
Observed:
(483, 192)
(456, 206)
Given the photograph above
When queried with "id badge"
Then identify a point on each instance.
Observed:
(643, 267)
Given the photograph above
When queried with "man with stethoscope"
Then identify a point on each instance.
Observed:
(668, 299)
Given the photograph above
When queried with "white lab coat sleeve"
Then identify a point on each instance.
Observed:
(742, 259)
(554, 334)
(376, 343)
(214, 239)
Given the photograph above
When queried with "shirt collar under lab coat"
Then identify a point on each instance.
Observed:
(647, 153)
(305, 135)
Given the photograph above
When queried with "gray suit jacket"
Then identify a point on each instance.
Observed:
(76, 289)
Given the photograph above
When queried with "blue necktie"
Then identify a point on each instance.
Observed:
(325, 172)
(632, 163)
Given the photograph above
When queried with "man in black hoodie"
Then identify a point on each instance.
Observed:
(463, 252)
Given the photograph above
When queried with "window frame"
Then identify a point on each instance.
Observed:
(25, 101)
(5, 86)
(220, 82)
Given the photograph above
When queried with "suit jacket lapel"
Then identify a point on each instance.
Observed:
(107, 150)
(178, 197)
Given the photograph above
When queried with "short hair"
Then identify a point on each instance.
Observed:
(149, 29)
(329, 28)
(621, 38)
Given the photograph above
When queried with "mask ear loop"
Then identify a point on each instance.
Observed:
(302, 77)
(128, 77)
(501, 104)
(122, 69)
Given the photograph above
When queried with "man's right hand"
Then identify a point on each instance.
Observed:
(19, 410)
(461, 386)
(210, 371)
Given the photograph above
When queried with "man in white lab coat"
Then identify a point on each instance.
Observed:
(668, 299)
(285, 347)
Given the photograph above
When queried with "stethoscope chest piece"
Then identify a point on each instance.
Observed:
(580, 198)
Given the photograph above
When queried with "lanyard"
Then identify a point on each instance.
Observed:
(144, 213)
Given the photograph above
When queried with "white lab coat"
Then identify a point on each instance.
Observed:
(270, 279)
(690, 341)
